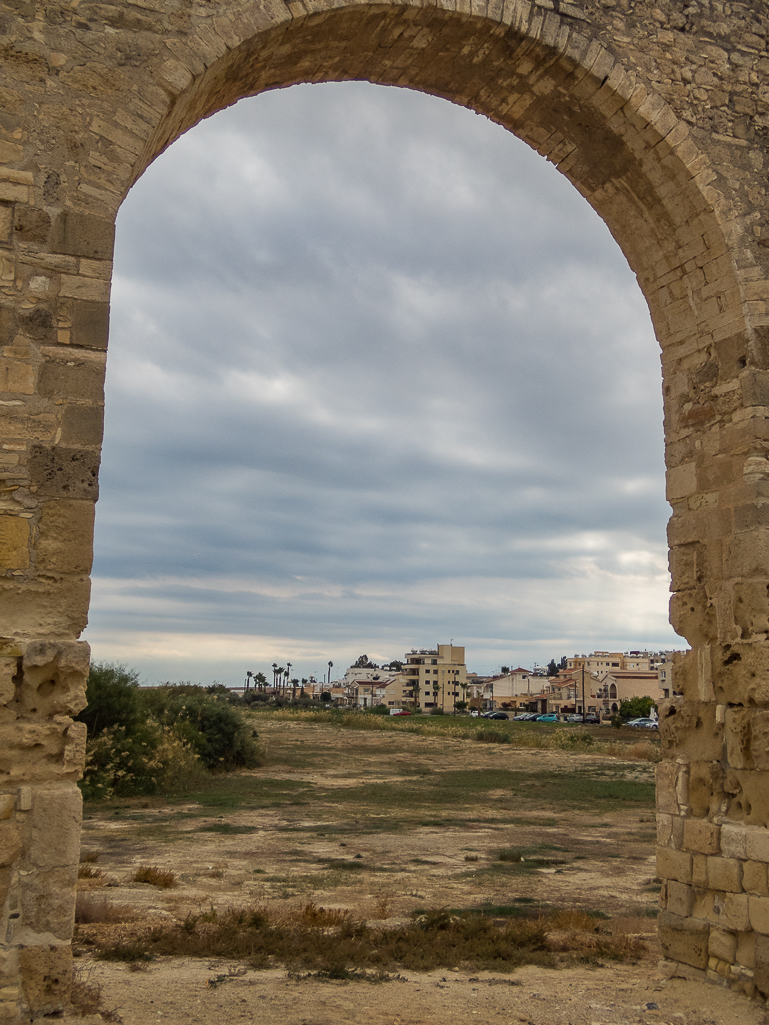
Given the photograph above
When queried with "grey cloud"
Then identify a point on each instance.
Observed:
(363, 335)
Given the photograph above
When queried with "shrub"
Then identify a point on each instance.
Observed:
(146, 740)
(155, 877)
(489, 736)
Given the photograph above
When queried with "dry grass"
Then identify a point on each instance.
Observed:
(86, 872)
(330, 940)
(91, 910)
(85, 997)
(166, 880)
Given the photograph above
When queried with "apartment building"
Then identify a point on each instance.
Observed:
(436, 676)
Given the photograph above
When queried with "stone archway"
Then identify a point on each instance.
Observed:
(658, 117)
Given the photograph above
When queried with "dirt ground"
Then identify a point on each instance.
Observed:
(384, 825)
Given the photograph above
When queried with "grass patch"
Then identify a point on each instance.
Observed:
(331, 941)
(92, 909)
(155, 877)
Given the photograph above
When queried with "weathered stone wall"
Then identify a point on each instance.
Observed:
(657, 112)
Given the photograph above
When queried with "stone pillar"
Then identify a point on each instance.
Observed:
(41, 755)
(713, 787)
(54, 287)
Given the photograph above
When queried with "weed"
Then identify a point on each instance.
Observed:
(89, 857)
(440, 938)
(90, 909)
(155, 876)
(86, 872)
(487, 735)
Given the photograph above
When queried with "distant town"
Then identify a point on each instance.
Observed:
(436, 680)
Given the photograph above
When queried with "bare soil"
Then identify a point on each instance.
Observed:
(385, 825)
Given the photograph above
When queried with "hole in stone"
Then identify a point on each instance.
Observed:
(731, 659)
(46, 688)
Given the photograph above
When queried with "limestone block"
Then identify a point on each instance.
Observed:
(664, 829)
(65, 543)
(62, 472)
(56, 811)
(684, 939)
(746, 949)
(90, 324)
(7, 803)
(48, 900)
(751, 601)
(723, 945)
(761, 969)
(14, 542)
(734, 840)
(83, 234)
(706, 791)
(691, 729)
(684, 675)
(724, 874)
(53, 678)
(82, 425)
(10, 843)
(747, 738)
(751, 798)
(680, 899)
(746, 554)
(739, 674)
(71, 374)
(758, 908)
(693, 615)
(666, 774)
(754, 878)
(734, 910)
(46, 973)
(701, 836)
(52, 607)
(700, 871)
(757, 845)
(45, 751)
(675, 865)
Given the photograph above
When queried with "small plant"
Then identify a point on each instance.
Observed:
(471, 857)
(155, 877)
(84, 995)
(489, 736)
(91, 909)
(86, 872)
(89, 857)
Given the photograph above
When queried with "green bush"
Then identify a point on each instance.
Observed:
(148, 740)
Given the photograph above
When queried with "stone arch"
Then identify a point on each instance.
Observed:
(673, 165)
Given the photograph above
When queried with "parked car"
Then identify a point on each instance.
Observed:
(653, 725)
(497, 715)
(645, 722)
(547, 717)
(400, 713)
(592, 719)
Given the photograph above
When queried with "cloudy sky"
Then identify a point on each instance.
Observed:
(379, 378)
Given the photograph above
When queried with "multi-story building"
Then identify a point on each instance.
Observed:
(437, 676)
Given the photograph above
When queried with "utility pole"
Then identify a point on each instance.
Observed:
(583, 693)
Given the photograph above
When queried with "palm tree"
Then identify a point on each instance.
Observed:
(260, 681)
(275, 675)
(415, 690)
(248, 680)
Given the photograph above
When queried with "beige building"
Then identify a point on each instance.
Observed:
(618, 686)
(437, 676)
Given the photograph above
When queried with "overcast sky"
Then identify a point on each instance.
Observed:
(379, 378)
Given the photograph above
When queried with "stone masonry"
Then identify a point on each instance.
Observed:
(657, 111)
